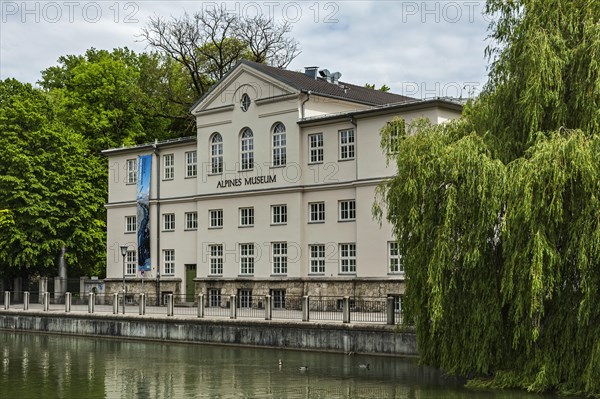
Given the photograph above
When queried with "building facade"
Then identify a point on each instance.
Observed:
(273, 195)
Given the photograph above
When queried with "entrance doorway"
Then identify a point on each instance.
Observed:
(190, 286)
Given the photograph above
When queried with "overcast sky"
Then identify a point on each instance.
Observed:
(418, 48)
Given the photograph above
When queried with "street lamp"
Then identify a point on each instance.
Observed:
(124, 254)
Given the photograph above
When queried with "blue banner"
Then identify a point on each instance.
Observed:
(143, 212)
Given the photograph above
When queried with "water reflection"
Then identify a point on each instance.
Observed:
(72, 367)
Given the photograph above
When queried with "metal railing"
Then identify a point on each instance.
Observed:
(338, 309)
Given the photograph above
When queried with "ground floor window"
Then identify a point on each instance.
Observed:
(244, 298)
(131, 263)
(278, 299)
(317, 258)
(214, 297)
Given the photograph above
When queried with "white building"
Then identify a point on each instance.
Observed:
(274, 195)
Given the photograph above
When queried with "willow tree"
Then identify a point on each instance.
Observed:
(497, 214)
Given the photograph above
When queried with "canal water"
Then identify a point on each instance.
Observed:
(52, 366)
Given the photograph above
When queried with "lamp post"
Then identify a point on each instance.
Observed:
(124, 254)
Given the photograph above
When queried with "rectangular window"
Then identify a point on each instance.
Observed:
(278, 214)
(191, 164)
(279, 256)
(394, 261)
(348, 258)
(214, 297)
(315, 148)
(278, 298)
(316, 212)
(169, 166)
(191, 220)
(246, 217)
(346, 144)
(244, 298)
(216, 259)
(130, 224)
(168, 222)
(347, 210)
(130, 263)
(215, 217)
(247, 258)
(131, 171)
(317, 258)
(169, 261)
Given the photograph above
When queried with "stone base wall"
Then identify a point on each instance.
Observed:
(134, 285)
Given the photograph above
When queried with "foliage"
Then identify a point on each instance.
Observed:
(48, 182)
(385, 88)
(497, 214)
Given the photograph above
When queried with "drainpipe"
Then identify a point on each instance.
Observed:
(308, 93)
(157, 154)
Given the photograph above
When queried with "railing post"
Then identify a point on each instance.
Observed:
(67, 302)
(26, 300)
(201, 305)
(115, 303)
(170, 305)
(232, 307)
(123, 301)
(46, 297)
(142, 304)
(346, 310)
(91, 302)
(305, 308)
(7, 300)
(268, 308)
(389, 306)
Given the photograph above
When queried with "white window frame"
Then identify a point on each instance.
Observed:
(246, 217)
(247, 253)
(131, 165)
(130, 224)
(316, 212)
(169, 262)
(347, 253)
(191, 220)
(168, 166)
(191, 164)
(279, 214)
(347, 210)
(395, 265)
(245, 102)
(347, 142)
(215, 218)
(279, 258)
(131, 263)
(216, 154)
(247, 149)
(315, 148)
(279, 145)
(215, 259)
(168, 222)
(316, 254)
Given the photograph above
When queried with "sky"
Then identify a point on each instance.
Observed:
(421, 49)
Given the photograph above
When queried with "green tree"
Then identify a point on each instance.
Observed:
(48, 182)
(496, 214)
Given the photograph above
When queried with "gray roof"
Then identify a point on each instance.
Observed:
(319, 86)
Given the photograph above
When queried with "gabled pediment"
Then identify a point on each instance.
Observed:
(242, 79)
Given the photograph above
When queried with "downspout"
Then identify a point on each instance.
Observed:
(308, 93)
(156, 153)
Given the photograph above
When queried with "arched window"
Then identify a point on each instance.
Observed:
(279, 142)
(216, 153)
(247, 149)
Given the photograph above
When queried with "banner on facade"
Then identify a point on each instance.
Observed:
(143, 212)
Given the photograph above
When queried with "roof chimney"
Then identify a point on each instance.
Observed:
(311, 72)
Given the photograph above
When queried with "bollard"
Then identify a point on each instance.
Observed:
(389, 306)
(170, 305)
(142, 304)
(7, 300)
(305, 309)
(115, 303)
(91, 302)
(201, 305)
(346, 310)
(26, 300)
(67, 302)
(268, 308)
(232, 307)
(46, 301)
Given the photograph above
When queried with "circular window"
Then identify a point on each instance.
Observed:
(245, 103)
